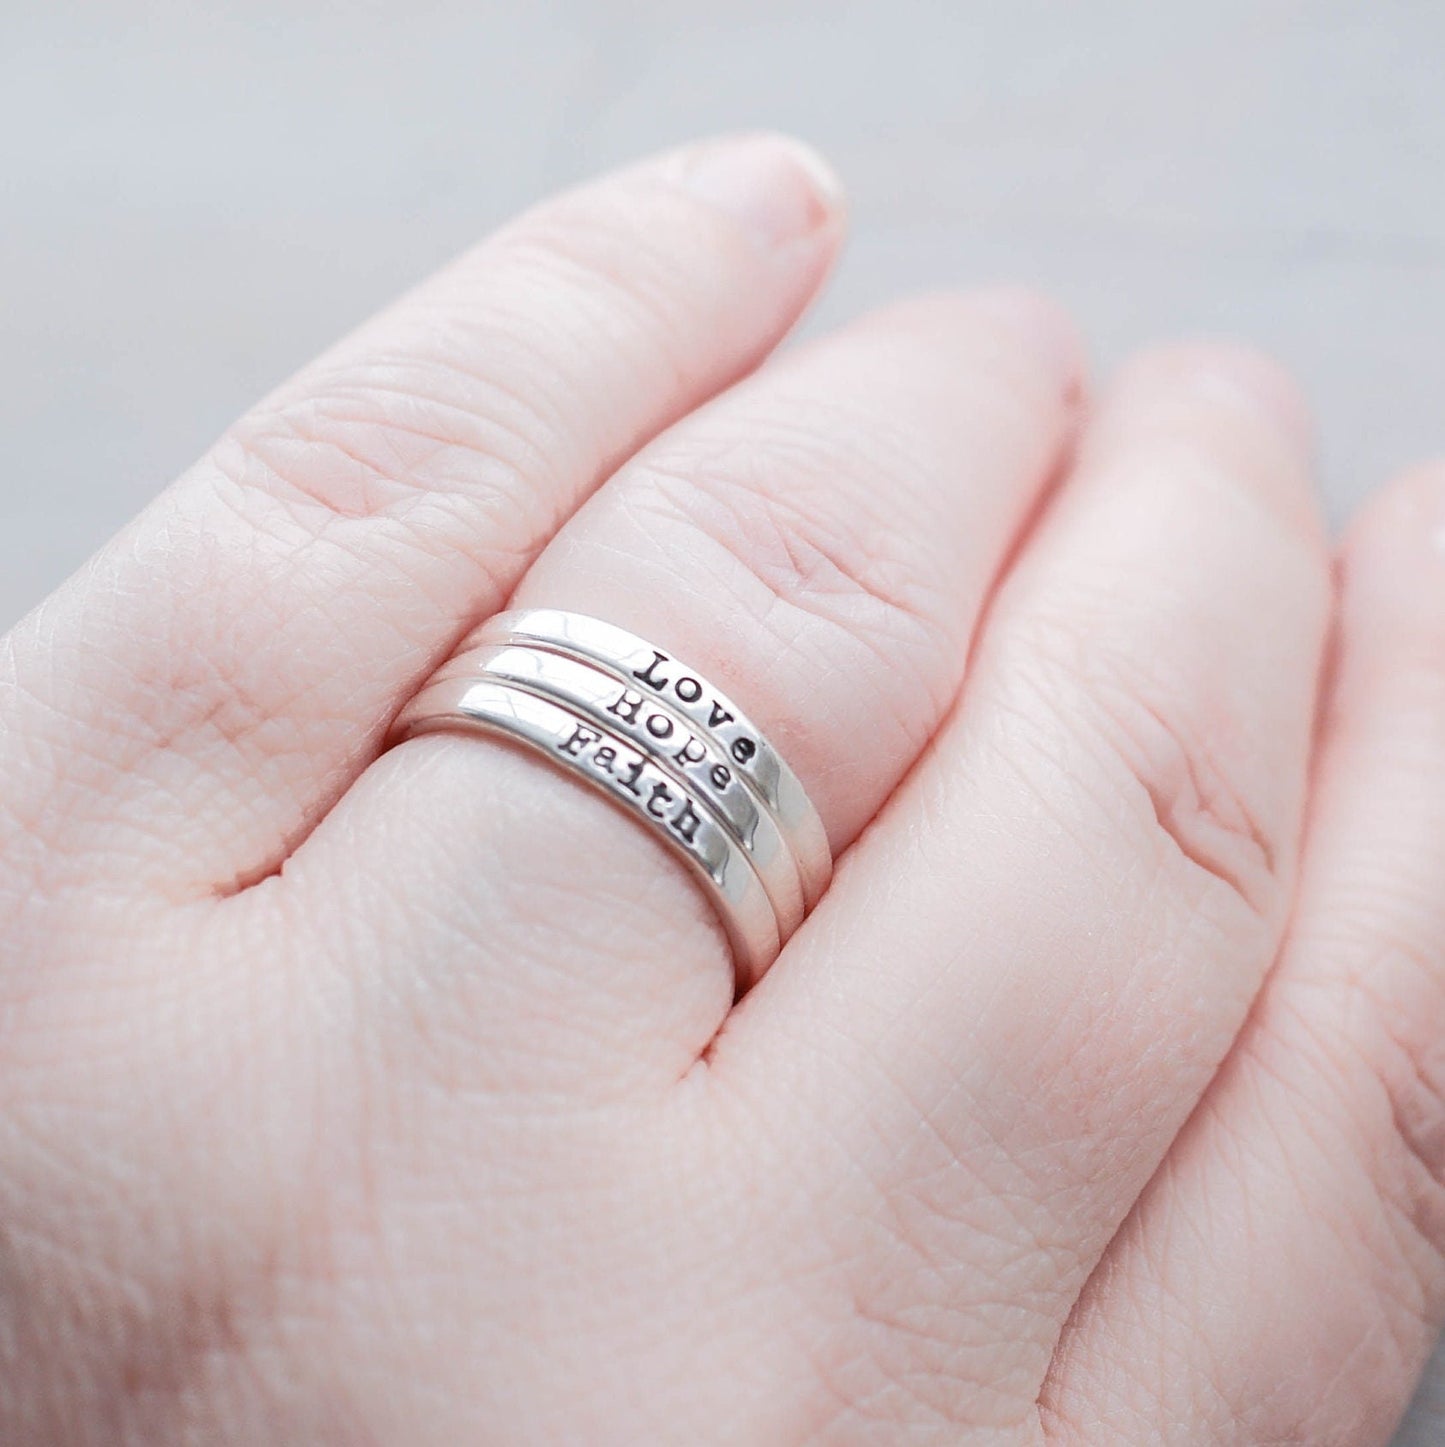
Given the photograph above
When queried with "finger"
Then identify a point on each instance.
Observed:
(1046, 943)
(1284, 1276)
(189, 704)
(818, 542)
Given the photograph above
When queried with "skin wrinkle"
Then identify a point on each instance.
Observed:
(487, 575)
(349, 394)
(1104, 1401)
(1204, 794)
(799, 468)
(802, 548)
(1415, 1112)
(788, 548)
(1142, 893)
(810, 573)
(500, 433)
(226, 715)
(1175, 796)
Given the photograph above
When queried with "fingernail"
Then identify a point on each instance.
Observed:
(777, 188)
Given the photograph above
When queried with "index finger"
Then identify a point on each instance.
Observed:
(211, 683)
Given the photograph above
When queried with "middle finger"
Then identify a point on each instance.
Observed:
(1076, 896)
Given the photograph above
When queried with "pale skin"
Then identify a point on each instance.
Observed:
(351, 1096)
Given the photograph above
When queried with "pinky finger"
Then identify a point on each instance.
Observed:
(1283, 1277)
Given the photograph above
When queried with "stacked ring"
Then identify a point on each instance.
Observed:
(656, 738)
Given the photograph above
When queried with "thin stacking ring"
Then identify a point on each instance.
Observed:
(634, 661)
(653, 727)
(652, 735)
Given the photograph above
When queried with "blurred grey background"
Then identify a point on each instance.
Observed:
(195, 200)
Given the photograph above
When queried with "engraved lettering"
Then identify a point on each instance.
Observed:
(686, 820)
(604, 758)
(718, 716)
(689, 690)
(659, 725)
(580, 739)
(661, 794)
(743, 749)
(692, 752)
(721, 777)
(650, 675)
(628, 706)
(633, 774)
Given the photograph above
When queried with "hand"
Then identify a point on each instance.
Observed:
(354, 1097)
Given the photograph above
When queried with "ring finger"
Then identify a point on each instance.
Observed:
(819, 543)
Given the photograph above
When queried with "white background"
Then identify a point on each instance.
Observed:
(192, 203)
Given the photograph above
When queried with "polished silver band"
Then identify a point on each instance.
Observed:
(655, 737)
(638, 663)
(658, 730)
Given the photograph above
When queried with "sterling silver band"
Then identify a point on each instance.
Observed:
(638, 663)
(659, 740)
(627, 777)
(653, 727)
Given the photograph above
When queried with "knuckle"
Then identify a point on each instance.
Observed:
(1171, 776)
(471, 393)
(414, 440)
(769, 528)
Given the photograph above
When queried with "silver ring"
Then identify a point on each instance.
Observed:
(658, 740)
(660, 731)
(635, 661)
